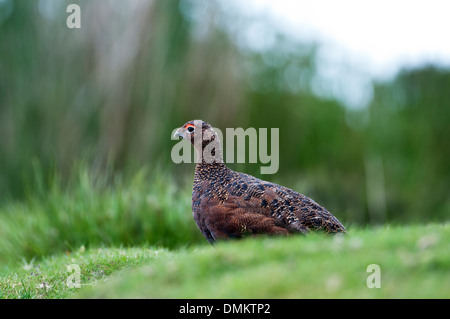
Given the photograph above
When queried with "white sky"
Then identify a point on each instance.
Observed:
(381, 35)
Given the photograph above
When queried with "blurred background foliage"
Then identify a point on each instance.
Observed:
(110, 94)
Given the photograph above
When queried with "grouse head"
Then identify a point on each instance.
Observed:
(204, 139)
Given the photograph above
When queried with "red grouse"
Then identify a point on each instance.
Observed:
(228, 204)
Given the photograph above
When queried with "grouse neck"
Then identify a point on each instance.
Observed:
(208, 147)
(204, 170)
(211, 166)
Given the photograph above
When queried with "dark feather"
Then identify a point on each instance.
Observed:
(228, 204)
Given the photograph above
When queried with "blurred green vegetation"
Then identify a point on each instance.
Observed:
(109, 95)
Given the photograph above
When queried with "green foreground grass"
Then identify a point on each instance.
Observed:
(414, 262)
(56, 276)
(112, 231)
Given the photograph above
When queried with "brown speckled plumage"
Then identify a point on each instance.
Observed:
(228, 204)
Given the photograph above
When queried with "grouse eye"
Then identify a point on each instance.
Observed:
(190, 129)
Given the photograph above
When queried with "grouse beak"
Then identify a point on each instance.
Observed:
(179, 134)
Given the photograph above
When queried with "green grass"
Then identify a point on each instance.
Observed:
(148, 209)
(138, 240)
(414, 262)
(51, 277)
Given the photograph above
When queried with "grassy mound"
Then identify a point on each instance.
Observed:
(413, 262)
